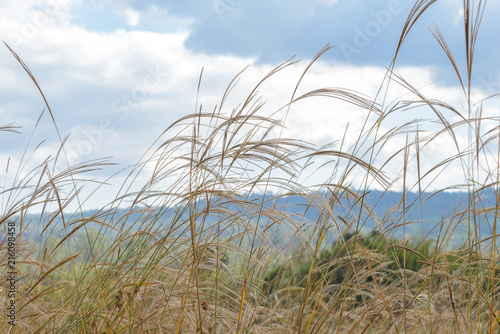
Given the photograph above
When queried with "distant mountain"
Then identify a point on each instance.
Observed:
(422, 215)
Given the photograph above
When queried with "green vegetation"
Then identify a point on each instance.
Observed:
(193, 250)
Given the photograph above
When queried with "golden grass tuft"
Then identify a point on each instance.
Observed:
(197, 252)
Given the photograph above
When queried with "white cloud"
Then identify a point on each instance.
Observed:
(115, 92)
(459, 16)
(132, 17)
(330, 3)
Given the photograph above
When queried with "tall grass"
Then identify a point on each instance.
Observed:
(196, 250)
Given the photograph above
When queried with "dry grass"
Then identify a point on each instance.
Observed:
(196, 252)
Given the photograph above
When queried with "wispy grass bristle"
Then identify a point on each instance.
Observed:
(226, 236)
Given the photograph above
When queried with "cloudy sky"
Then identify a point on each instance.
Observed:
(117, 73)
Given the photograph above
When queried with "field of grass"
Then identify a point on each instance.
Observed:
(196, 251)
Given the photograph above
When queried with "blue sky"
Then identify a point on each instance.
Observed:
(117, 73)
(274, 31)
